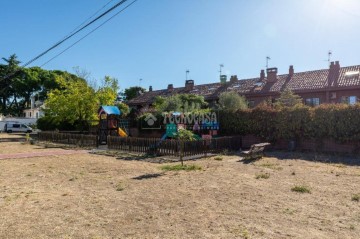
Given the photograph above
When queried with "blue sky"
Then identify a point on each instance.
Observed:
(157, 40)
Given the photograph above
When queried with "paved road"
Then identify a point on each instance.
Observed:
(42, 154)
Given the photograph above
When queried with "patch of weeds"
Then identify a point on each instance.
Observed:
(270, 166)
(352, 227)
(218, 158)
(65, 194)
(120, 186)
(355, 197)
(179, 167)
(293, 173)
(289, 211)
(262, 175)
(301, 189)
(29, 175)
(245, 234)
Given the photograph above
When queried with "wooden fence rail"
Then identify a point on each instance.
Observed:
(80, 140)
(170, 147)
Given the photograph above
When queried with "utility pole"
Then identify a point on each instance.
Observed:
(140, 82)
(187, 73)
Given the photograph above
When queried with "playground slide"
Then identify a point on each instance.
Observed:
(162, 139)
(122, 133)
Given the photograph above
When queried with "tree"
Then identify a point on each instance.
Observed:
(8, 74)
(288, 99)
(107, 92)
(232, 101)
(75, 102)
(124, 108)
(133, 92)
(181, 103)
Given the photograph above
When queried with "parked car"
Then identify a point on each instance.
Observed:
(17, 127)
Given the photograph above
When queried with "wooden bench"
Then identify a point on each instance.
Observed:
(256, 151)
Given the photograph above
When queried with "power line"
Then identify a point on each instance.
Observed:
(93, 15)
(72, 45)
(76, 32)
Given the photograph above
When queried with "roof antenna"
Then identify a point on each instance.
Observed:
(221, 66)
(187, 73)
(267, 62)
(329, 56)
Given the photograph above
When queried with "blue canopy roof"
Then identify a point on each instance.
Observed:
(110, 110)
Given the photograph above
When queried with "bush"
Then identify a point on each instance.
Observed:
(301, 189)
(338, 122)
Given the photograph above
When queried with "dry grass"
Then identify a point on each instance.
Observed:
(92, 196)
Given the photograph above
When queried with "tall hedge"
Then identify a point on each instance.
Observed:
(339, 122)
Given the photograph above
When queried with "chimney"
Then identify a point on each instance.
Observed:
(291, 70)
(223, 79)
(233, 79)
(150, 88)
(170, 87)
(32, 100)
(334, 73)
(262, 75)
(271, 74)
(189, 85)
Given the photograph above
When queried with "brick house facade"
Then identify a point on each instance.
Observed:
(334, 85)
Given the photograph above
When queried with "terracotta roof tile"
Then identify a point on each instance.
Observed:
(301, 81)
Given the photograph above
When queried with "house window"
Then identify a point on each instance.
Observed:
(29, 114)
(312, 101)
(351, 100)
(37, 115)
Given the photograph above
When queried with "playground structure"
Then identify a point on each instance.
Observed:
(110, 123)
(202, 129)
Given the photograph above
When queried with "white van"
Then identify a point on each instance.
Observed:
(11, 127)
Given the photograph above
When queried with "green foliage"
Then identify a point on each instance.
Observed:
(179, 167)
(288, 99)
(232, 101)
(133, 92)
(180, 103)
(49, 123)
(336, 121)
(75, 102)
(355, 197)
(107, 93)
(18, 84)
(184, 134)
(124, 108)
(262, 176)
(301, 189)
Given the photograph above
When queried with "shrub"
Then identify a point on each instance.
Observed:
(355, 197)
(301, 189)
(263, 175)
(179, 167)
(338, 122)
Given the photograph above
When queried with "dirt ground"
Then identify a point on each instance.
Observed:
(92, 196)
